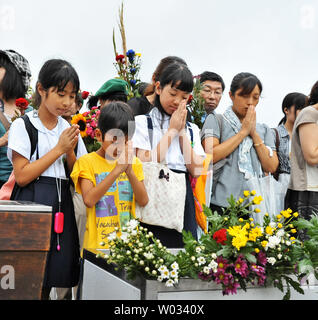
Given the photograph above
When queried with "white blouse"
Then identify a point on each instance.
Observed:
(174, 157)
(47, 139)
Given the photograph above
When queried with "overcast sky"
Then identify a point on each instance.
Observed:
(277, 40)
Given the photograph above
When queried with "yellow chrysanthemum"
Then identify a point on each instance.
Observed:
(286, 214)
(269, 230)
(293, 230)
(257, 210)
(253, 192)
(246, 193)
(254, 234)
(239, 241)
(258, 200)
(279, 225)
(256, 250)
(295, 214)
(264, 243)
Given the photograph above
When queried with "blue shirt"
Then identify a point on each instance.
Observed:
(5, 164)
(283, 149)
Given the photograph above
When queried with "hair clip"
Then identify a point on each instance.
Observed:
(163, 175)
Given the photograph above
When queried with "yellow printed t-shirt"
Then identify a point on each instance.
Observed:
(115, 208)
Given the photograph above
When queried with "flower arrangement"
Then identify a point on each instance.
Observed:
(127, 64)
(128, 68)
(234, 253)
(138, 252)
(87, 124)
(196, 104)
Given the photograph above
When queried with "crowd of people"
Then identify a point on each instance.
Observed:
(98, 191)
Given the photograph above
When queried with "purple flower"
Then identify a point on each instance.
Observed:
(231, 288)
(261, 258)
(241, 267)
(260, 272)
(222, 277)
(205, 277)
(222, 263)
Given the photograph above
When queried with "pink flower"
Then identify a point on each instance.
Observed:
(261, 258)
(260, 272)
(222, 263)
(231, 288)
(222, 277)
(241, 267)
(94, 124)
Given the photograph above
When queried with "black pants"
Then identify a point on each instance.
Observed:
(303, 202)
(172, 238)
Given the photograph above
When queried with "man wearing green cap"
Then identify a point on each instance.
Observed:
(111, 90)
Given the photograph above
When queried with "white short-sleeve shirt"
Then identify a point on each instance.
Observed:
(174, 157)
(47, 139)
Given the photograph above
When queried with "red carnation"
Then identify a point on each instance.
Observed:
(85, 94)
(220, 236)
(120, 58)
(22, 103)
(190, 98)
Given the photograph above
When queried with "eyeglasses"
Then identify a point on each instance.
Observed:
(217, 93)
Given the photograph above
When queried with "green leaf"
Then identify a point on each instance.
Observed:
(305, 266)
(287, 294)
(303, 224)
(294, 284)
(225, 252)
(250, 257)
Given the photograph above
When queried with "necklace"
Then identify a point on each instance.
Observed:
(59, 216)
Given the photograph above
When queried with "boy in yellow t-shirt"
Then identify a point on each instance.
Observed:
(110, 179)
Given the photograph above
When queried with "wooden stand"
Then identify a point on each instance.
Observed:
(25, 231)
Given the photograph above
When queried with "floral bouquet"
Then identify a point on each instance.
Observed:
(196, 104)
(128, 68)
(139, 253)
(87, 124)
(235, 253)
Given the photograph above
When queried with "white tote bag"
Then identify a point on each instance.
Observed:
(166, 192)
(273, 194)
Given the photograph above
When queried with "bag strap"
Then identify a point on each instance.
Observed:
(4, 121)
(277, 139)
(150, 130)
(33, 135)
(219, 118)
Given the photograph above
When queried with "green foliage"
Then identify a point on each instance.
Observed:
(196, 104)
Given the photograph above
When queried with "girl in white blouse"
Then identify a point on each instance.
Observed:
(43, 176)
(174, 140)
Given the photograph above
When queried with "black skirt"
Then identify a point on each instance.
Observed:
(62, 267)
(172, 238)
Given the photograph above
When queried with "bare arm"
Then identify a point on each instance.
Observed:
(308, 133)
(138, 187)
(269, 164)
(25, 172)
